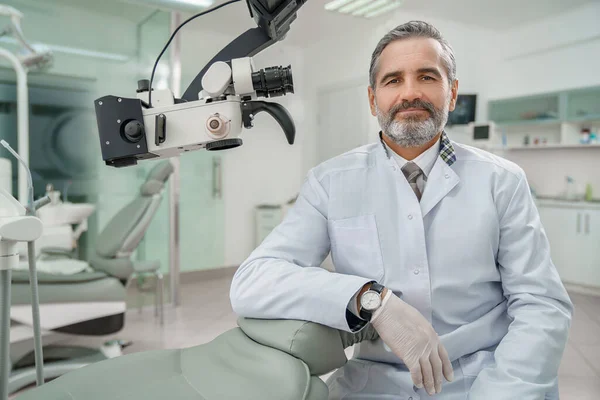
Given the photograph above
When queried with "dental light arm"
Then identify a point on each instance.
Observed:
(32, 57)
(220, 101)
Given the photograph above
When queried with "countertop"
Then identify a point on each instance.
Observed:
(562, 203)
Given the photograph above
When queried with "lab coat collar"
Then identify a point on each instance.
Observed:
(446, 149)
(425, 160)
(442, 178)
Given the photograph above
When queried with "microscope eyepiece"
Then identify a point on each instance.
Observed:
(273, 81)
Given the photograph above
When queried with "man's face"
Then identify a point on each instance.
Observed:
(412, 95)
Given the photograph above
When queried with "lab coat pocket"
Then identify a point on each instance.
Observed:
(472, 365)
(355, 247)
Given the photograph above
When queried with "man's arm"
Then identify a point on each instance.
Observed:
(528, 357)
(283, 277)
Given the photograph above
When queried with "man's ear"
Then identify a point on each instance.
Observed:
(372, 101)
(454, 94)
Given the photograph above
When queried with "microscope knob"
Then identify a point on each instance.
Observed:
(143, 85)
(133, 131)
(218, 126)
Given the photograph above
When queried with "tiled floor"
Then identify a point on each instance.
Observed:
(206, 312)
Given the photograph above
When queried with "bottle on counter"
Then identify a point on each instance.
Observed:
(585, 136)
(570, 188)
(588, 192)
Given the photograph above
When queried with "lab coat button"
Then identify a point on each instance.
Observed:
(416, 272)
(447, 176)
(410, 216)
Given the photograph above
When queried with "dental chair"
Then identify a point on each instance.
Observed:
(90, 302)
(260, 359)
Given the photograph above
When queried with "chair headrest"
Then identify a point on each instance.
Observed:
(157, 178)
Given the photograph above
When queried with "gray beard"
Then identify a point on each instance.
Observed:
(413, 132)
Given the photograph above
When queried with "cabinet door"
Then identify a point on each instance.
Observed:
(564, 228)
(590, 273)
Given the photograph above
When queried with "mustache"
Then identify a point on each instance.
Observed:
(405, 105)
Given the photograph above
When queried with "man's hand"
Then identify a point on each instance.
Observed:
(412, 338)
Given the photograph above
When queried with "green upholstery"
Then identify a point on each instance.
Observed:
(111, 239)
(91, 286)
(262, 359)
(294, 337)
(121, 268)
(122, 234)
(20, 276)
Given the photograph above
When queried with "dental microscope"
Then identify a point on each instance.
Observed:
(220, 101)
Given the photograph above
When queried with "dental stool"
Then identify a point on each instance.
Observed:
(261, 359)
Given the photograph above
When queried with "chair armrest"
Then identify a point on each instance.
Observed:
(120, 268)
(319, 346)
(146, 266)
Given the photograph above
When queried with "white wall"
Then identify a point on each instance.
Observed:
(266, 169)
(559, 53)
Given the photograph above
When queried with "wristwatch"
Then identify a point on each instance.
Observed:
(370, 301)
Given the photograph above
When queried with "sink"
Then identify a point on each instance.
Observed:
(65, 213)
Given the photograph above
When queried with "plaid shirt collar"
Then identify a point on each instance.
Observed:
(446, 149)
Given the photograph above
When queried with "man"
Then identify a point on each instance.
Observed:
(437, 245)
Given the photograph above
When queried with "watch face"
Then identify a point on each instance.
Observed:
(370, 301)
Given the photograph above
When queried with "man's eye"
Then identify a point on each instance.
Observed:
(393, 81)
(428, 78)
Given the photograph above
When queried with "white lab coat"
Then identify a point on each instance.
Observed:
(472, 257)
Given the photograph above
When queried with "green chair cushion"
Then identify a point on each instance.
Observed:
(232, 367)
(21, 276)
(93, 287)
(297, 338)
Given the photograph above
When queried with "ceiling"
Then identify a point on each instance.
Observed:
(493, 14)
(496, 15)
(120, 8)
(234, 19)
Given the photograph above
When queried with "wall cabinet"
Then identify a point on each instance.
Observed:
(547, 120)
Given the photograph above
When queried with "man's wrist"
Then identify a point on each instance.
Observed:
(365, 288)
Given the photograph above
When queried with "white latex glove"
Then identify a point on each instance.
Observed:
(412, 338)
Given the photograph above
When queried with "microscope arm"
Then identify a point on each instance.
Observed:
(247, 44)
(273, 18)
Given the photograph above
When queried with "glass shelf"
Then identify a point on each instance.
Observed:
(548, 121)
(549, 146)
(526, 110)
(583, 104)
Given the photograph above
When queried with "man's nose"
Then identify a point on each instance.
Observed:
(410, 91)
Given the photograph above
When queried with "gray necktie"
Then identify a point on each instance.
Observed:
(412, 172)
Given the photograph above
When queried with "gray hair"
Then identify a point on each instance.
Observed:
(409, 30)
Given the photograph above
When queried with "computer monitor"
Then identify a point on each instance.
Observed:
(482, 132)
(464, 112)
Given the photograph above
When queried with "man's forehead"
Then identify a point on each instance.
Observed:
(411, 54)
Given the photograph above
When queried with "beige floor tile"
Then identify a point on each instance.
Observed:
(575, 365)
(573, 388)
